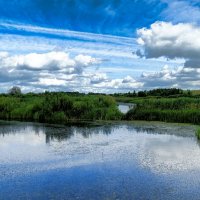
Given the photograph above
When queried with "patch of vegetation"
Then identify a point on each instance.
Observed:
(180, 110)
(168, 105)
(58, 107)
(161, 92)
(198, 133)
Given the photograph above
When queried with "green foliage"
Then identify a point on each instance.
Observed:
(182, 109)
(58, 107)
(198, 133)
(161, 92)
(15, 90)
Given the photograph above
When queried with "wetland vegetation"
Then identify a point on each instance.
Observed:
(168, 105)
(58, 107)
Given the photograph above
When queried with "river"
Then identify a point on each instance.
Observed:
(125, 107)
(137, 160)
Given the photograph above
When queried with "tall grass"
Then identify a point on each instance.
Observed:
(184, 110)
(198, 133)
(58, 107)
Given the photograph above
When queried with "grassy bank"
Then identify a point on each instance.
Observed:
(167, 105)
(179, 110)
(58, 107)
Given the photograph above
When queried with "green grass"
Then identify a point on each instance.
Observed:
(195, 92)
(198, 133)
(179, 110)
(58, 107)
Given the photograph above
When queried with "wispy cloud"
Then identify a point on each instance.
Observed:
(113, 17)
(43, 49)
(37, 57)
(185, 11)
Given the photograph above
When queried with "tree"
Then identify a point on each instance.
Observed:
(15, 90)
(142, 94)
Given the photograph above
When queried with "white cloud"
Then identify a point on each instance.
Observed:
(182, 41)
(51, 82)
(71, 71)
(181, 77)
(85, 61)
(41, 70)
(49, 39)
(172, 41)
(181, 11)
(59, 71)
(46, 61)
(3, 54)
(126, 84)
(128, 79)
(98, 78)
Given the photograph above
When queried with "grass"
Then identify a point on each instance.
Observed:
(179, 110)
(58, 107)
(198, 133)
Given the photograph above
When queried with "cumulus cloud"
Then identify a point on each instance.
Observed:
(51, 82)
(46, 61)
(181, 77)
(164, 39)
(40, 70)
(128, 79)
(59, 71)
(128, 83)
(98, 78)
(3, 54)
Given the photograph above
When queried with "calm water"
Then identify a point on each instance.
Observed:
(125, 107)
(119, 161)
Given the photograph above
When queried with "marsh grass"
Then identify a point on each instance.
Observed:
(198, 133)
(58, 107)
(179, 110)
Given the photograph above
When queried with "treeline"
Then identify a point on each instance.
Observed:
(58, 107)
(182, 109)
(161, 92)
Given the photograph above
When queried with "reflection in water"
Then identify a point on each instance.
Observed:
(119, 161)
(163, 128)
(65, 133)
(125, 107)
(51, 132)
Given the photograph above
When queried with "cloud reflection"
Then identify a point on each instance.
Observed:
(160, 148)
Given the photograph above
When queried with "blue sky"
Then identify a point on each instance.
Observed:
(99, 45)
(118, 17)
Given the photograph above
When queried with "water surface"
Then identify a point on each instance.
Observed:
(125, 107)
(119, 161)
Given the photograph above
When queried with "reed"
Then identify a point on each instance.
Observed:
(181, 110)
(198, 133)
(58, 107)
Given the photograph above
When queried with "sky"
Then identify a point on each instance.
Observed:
(99, 45)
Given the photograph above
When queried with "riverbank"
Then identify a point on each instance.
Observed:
(179, 109)
(66, 108)
(58, 107)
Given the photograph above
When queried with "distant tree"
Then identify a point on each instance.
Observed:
(142, 94)
(189, 93)
(15, 90)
